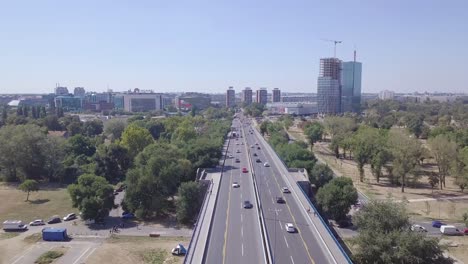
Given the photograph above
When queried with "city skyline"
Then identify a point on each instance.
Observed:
(175, 47)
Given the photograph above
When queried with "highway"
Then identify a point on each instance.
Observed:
(235, 235)
(305, 245)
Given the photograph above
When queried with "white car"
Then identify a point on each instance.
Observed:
(266, 164)
(290, 228)
(235, 185)
(285, 190)
(231, 156)
(69, 217)
(418, 228)
(37, 222)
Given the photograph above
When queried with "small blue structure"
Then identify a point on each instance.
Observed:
(54, 234)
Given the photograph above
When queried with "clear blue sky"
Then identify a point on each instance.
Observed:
(404, 45)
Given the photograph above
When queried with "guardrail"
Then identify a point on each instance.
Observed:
(265, 238)
(194, 240)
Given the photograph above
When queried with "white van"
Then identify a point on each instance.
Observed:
(449, 230)
(12, 225)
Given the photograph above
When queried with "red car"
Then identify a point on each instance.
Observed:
(244, 170)
(465, 231)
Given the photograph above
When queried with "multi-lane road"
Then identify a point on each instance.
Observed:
(235, 235)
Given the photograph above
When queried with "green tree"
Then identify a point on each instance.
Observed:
(93, 196)
(92, 128)
(444, 151)
(414, 124)
(190, 196)
(406, 152)
(29, 186)
(382, 216)
(114, 128)
(80, 145)
(135, 139)
(336, 197)
(320, 175)
(313, 132)
(112, 162)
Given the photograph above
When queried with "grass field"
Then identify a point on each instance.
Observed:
(51, 256)
(49, 201)
(130, 249)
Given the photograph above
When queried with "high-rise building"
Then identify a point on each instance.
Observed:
(247, 96)
(276, 96)
(351, 86)
(230, 97)
(386, 95)
(61, 91)
(329, 87)
(262, 96)
(142, 102)
(79, 91)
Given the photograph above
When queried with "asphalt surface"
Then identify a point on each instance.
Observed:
(300, 247)
(235, 236)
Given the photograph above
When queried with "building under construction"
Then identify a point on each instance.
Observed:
(329, 87)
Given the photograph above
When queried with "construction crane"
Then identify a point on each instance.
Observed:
(334, 41)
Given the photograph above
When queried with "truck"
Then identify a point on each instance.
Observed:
(54, 234)
(179, 250)
(450, 230)
(14, 225)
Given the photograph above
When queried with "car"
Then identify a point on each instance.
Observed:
(465, 231)
(418, 228)
(37, 222)
(237, 143)
(69, 217)
(290, 228)
(285, 190)
(266, 164)
(248, 205)
(237, 151)
(54, 219)
(127, 215)
(256, 143)
(280, 200)
(258, 147)
(235, 185)
(252, 146)
(237, 160)
(258, 160)
(231, 156)
(255, 154)
(244, 170)
(437, 224)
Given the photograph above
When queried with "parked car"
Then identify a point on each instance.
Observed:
(258, 160)
(465, 231)
(437, 224)
(235, 185)
(290, 228)
(54, 219)
(244, 170)
(237, 160)
(14, 225)
(255, 154)
(450, 230)
(247, 205)
(258, 147)
(69, 217)
(280, 199)
(266, 164)
(237, 151)
(418, 228)
(127, 215)
(285, 190)
(179, 250)
(37, 222)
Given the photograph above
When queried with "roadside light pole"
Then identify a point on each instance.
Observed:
(274, 246)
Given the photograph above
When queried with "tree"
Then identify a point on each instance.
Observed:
(190, 196)
(414, 124)
(336, 197)
(92, 128)
(52, 123)
(444, 151)
(29, 186)
(406, 152)
(135, 139)
(81, 145)
(313, 132)
(382, 216)
(320, 175)
(112, 162)
(93, 196)
(366, 144)
(114, 128)
(460, 169)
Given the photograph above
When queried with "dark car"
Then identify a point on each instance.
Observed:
(54, 220)
(258, 147)
(237, 160)
(247, 205)
(258, 160)
(437, 224)
(280, 200)
(255, 154)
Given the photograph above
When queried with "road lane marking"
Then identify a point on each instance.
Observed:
(242, 218)
(82, 254)
(227, 219)
(242, 249)
(286, 241)
(242, 231)
(281, 225)
(292, 260)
